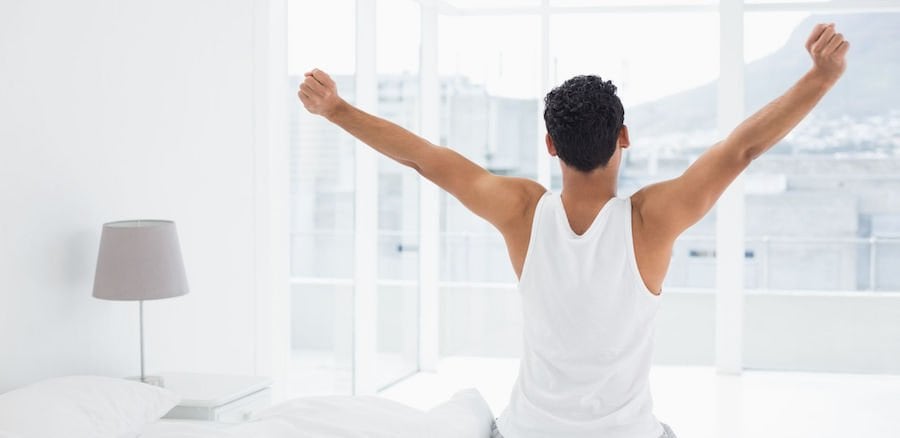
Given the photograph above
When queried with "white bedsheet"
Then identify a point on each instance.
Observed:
(186, 429)
(466, 415)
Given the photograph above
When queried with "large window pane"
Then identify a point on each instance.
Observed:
(490, 86)
(823, 206)
(397, 49)
(322, 155)
(322, 211)
(321, 339)
(490, 83)
(668, 88)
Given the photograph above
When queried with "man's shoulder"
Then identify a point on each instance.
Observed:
(526, 196)
(639, 198)
(529, 189)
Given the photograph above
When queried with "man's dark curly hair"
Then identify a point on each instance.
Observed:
(583, 117)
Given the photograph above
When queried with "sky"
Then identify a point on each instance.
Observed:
(647, 56)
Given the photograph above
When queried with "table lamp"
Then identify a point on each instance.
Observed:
(140, 260)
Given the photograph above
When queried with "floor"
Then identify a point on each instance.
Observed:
(698, 403)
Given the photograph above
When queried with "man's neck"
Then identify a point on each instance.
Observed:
(599, 184)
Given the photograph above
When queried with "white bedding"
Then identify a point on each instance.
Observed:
(466, 415)
(82, 407)
(185, 428)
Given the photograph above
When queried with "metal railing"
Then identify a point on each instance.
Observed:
(772, 262)
(871, 260)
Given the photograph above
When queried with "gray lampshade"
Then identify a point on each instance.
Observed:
(139, 260)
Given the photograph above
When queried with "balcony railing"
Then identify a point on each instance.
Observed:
(480, 260)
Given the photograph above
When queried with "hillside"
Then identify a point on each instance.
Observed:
(867, 97)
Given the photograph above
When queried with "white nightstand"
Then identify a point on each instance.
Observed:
(227, 399)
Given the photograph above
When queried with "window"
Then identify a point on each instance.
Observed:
(397, 61)
(822, 208)
(842, 164)
(322, 210)
(489, 91)
(822, 214)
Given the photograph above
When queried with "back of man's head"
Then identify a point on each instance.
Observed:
(583, 117)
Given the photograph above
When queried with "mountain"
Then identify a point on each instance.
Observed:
(867, 93)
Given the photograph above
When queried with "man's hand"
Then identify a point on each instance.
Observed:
(319, 95)
(827, 49)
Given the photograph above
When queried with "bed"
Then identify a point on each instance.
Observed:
(98, 407)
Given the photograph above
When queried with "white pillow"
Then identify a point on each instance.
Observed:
(466, 414)
(83, 407)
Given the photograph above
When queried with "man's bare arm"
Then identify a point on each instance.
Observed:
(668, 208)
(498, 199)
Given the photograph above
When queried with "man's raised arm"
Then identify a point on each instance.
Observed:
(499, 200)
(668, 208)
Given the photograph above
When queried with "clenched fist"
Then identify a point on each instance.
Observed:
(318, 93)
(828, 49)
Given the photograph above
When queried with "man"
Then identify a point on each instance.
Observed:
(590, 265)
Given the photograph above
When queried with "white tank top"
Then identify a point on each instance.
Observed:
(589, 322)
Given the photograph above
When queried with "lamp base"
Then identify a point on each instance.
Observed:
(150, 380)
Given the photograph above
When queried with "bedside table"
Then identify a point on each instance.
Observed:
(222, 398)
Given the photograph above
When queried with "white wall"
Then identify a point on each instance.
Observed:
(114, 110)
